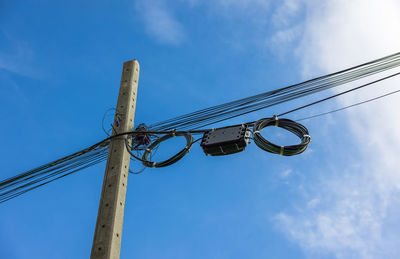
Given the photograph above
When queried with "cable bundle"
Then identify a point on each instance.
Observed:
(243, 106)
(292, 126)
(22, 183)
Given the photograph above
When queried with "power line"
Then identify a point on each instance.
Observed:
(190, 123)
(341, 93)
(32, 179)
(349, 106)
(243, 106)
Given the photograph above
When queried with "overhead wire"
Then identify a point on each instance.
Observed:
(19, 190)
(341, 93)
(32, 179)
(348, 106)
(243, 106)
(255, 107)
(192, 122)
(251, 123)
(60, 163)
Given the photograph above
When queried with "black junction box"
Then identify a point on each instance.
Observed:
(225, 141)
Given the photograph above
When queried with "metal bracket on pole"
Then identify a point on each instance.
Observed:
(107, 236)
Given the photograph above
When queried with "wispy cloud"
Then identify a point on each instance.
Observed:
(286, 173)
(286, 12)
(160, 22)
(288, 25)
(17, 57)
(283, 40)
(352, 212)
(243, 4)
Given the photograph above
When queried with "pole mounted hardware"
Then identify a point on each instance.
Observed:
(225, 141)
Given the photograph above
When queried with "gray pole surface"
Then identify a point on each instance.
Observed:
(107, 236)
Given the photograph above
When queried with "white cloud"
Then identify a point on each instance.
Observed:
(160, 22)
(358, 205)
(352, 210)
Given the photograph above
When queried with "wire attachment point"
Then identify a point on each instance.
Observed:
(275, 117)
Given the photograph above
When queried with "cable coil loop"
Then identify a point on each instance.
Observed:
(289, 125)
(172, 160)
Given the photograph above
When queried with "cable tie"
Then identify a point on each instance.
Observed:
(306, 135)
(276, 120)
(257, 131)
(281, 152)
(153, 165)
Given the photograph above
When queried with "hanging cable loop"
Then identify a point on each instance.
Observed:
(289, 125)
(172, 160)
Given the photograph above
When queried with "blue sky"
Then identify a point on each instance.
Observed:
(60, 66)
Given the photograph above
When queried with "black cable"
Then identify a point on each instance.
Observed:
(190, 122)
(256, 107)
(349, 106)
(333, 96)
(33, 183)
(32, 179)
(189, 142)
(60, 163)
(341, 93)
(17, 192)
(292, 126)
(249, 104)
(299, 129)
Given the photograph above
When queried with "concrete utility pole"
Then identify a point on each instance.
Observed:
(107, 236)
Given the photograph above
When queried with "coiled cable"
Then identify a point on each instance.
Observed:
(145, 158)
(289, 125)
